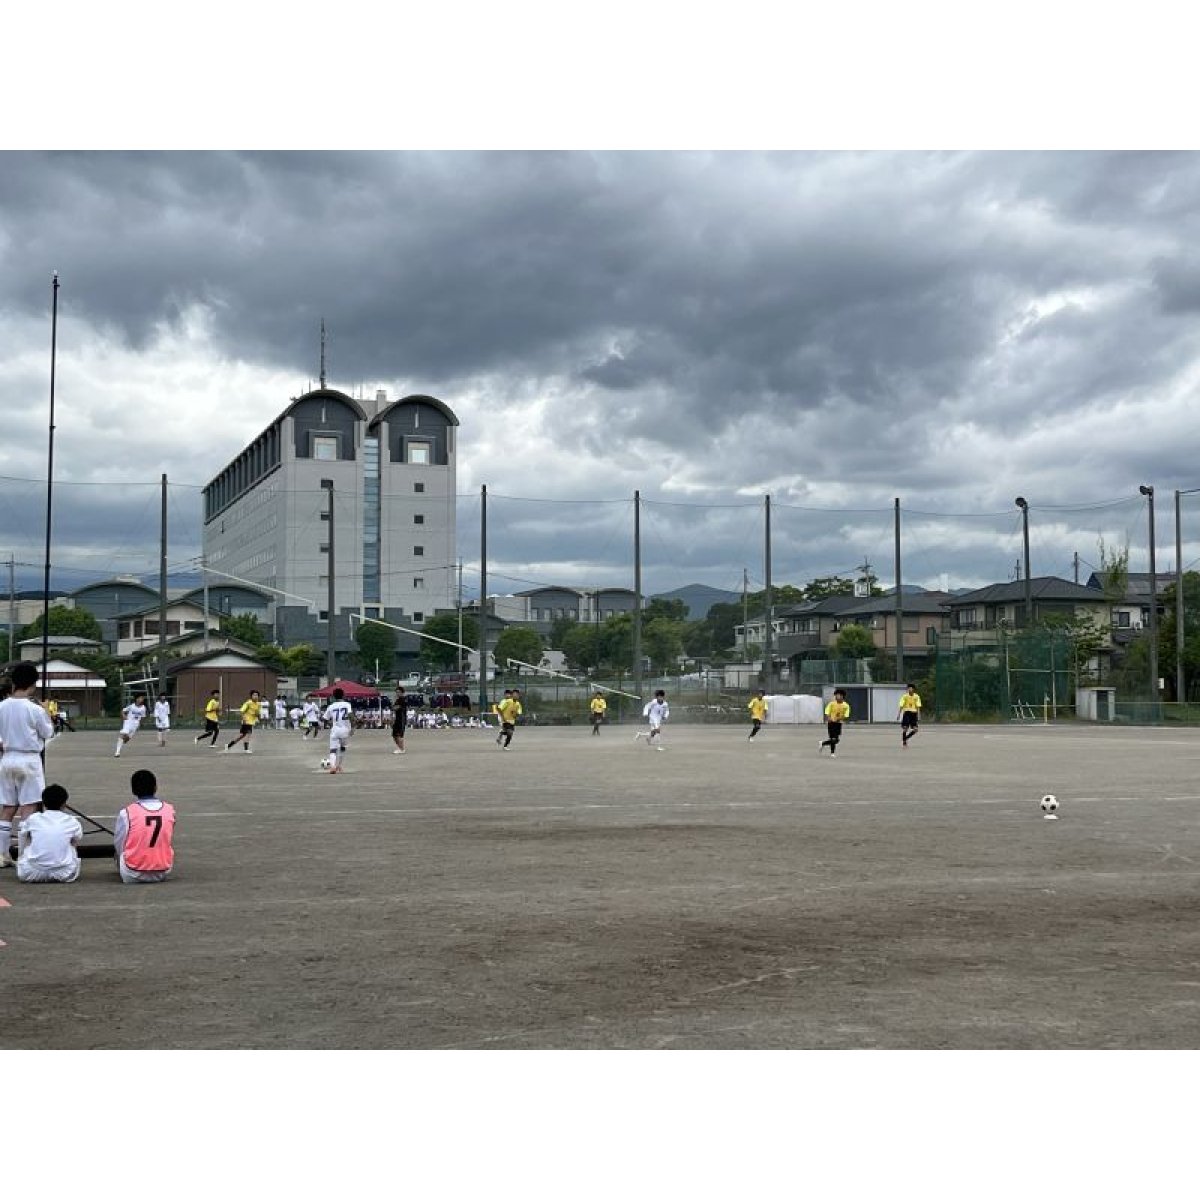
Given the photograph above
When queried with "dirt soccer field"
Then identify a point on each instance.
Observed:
(589, 892)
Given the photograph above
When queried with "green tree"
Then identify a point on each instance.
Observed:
(65, 622)
(581, 646)
(616, 642)
(662, 642)
(520, 642)
(673, 610)
(376, 647)
(1114, 571)
(854, 641)
(301, 659)
(698, 639)
(828, 585)
(245, 628)
(1191, 635)
(560, 630)
(437, 656)
(721, 620)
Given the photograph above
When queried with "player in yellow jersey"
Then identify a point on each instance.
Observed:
(212, 719)
(836, 711)
(598, 707)
(758, 710)
(250, 712)
(910, 716)
(509, 710)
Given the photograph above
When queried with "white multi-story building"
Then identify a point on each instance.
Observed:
(392, 471)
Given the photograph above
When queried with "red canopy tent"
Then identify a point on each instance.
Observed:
(351, 690)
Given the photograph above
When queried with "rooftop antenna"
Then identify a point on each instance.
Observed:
(322, 353)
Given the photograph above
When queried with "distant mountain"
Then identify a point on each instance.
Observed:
(699, 598)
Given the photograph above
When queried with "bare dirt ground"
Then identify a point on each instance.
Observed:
(588, 892)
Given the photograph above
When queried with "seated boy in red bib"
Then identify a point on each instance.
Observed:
(145, 834)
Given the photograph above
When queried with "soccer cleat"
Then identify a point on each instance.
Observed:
(397, 751)
(249, 751)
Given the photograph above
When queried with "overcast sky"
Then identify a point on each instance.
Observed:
(834, 329)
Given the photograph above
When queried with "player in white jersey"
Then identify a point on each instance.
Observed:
(25, 729)
(162, 719)
(656, 712)
(132, 716)
(340, 716)
(48, 841)
(294, 715)
(312, 719)
(280, 713)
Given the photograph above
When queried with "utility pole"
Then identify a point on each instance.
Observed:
(1023, 505)
(745, 613)
(204, 577)
(768, 651)
(637, 592)
(12, 606)
(483, 637)
(1147, 490)
(899, 605)
(162, 595)
(462, 657)
(49, 491)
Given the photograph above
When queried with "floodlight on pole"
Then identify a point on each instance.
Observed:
(1023, 505)
(1148, 491)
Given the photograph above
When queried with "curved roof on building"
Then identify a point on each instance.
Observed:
(107, 585)
(432, 401)
(327, 394)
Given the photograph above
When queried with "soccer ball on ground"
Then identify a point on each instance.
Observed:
(325, 764)
(1049, 805)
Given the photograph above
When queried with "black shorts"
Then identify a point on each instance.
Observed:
(211, 726)
(908, 717)
(398, 728)
(245, 730)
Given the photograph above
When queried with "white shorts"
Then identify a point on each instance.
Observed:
(31, 874)
(162, 726)
(128, 729)
(338, 743)
(21, 778)
(129, 875)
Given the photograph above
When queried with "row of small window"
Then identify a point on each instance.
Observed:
(371, 610)
(326, 447)
(418, 551)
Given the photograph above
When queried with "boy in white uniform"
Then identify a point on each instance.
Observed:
(280, 713)
(312, 718)
(294, 715)
(48, 840)
(340, 716)
(657, 711)
(24, 731)
(132, 717)
(162, 718)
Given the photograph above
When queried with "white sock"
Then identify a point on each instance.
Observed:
(6, 829)
(119, 744)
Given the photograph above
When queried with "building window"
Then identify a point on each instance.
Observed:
(323, 614)
(417, 453)
(418, 583)
(418, 618)
(418, 518)
(418, 551)
(1121, 620)
(324, 547)
(325, 447)
(931, 636)
(371, 610)
(417, 487)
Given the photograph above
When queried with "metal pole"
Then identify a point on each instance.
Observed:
(204, 576)
(1148, 491)
(637, 592)
(12, 606)
(462, 655)
(899, 605)
(162, 595)
(1023, 505)
(331, 650)
(1180, 698)
(483, 638)
(49, 489)
(768, 652)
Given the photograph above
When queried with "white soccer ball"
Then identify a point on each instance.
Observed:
(325, 764)
(1049, 804)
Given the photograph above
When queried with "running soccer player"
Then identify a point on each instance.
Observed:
(836, 711)
(340, 716)
(24, 731)
(144, 835)
(212, 719)
(250, 712)
(399, 719)
(598, 708)
(162, 719)
(280, 713)
(509, 710)
(132, 716)
(48, 841)
(312, 718)
(758, 710)
(910, 716)
(656, 711)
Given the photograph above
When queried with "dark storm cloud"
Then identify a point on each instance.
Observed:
(835, 328)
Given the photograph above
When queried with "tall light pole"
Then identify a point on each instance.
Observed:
(1148, 492)
(1023, 505)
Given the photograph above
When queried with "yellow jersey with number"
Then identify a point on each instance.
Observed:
(837, 710)
(758, 708)
(910, 702)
